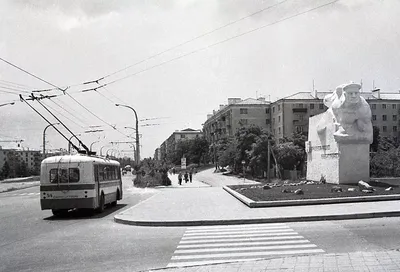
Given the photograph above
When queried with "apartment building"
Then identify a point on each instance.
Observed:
(31, 158)
(237, 113)
(169, 145)
(290, 114)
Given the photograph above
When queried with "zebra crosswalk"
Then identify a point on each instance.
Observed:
(219, 244)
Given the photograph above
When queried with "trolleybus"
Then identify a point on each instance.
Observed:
(79, 181)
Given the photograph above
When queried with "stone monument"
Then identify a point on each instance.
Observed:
(339, 139)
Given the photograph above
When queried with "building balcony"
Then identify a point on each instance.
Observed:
(299, 110)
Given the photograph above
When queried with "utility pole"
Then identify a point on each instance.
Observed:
(137, 158)
(44, 138)
(268, 162)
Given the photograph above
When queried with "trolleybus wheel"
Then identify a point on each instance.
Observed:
(59, 212)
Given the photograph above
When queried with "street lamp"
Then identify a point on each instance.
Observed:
(92, 144)
(44, 137)
(5, 104)
(69, 142)
(137, 157)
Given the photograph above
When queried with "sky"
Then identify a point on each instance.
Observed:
(175, 61)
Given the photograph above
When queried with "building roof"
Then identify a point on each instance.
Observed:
(252, 101)
(305, 96)
(321, 95)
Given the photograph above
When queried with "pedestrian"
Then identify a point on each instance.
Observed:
(180, 178)
(190, 175)
(186, 177)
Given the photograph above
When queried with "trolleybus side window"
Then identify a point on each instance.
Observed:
(63, 175)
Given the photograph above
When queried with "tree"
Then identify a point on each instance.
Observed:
(289, 156)
(21, 169)
(5, 171)
(227, 152)
(376, 137)
(198, 148)
(246, 137)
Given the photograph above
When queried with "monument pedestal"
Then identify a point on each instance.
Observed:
(338, 163)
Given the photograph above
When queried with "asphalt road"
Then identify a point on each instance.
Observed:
(33, 240)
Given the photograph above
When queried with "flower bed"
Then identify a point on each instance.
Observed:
(281, 190)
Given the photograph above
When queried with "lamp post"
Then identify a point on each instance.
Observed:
(44, 137)
(92, 144)
(137, 157)
(5, 104)
(69, 142)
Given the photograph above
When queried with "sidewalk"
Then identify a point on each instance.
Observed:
(197, 203)
(340, 262)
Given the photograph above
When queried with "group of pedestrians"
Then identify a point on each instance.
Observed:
(186, 176)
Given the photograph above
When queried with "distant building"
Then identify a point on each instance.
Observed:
(290, 114)
(157, 154)
(238, 113)
(31, 158)
(169, 145)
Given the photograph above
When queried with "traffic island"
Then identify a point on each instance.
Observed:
(311, 193)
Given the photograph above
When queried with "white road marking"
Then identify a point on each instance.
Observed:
(219, 244)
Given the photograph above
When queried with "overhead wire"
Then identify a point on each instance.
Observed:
(66, 110)
(23, 70)
(191, 40)
(64, 115)
(219, 42)
(10, 83)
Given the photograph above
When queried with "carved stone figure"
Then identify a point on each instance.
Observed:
(350, 113)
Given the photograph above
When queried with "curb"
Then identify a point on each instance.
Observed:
(19, 188)
(255, 220)
(280, 203)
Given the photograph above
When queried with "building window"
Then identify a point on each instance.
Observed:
(267, 121)
(373, 117)
(267, 111)
(279, 130)
(384, 117)
(321, 106)
(311, 106)
(394, 106)
(384, 129)
(394, 128)
(273, 109)
(183, 136)
(279, 107)
(243, 111)
(279, 119)
(299, 129)
(394, 117)
(383, 106)
(373, 106)
(300, 105)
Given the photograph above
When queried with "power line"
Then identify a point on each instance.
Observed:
(95, 114)
(10, 83)
(14, 89)
(64, 116)
(223, 41)
(80, 120)
(19, 68)
(191, 40)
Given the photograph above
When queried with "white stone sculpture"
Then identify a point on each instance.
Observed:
(339, 139)
(350, 113)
